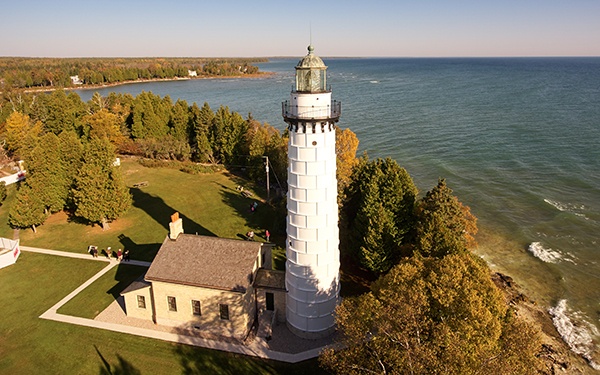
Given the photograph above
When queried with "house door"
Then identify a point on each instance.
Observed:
(270, 301)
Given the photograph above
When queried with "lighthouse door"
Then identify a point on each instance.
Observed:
(270, 301)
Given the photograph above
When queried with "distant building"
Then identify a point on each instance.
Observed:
(208, 284)
(192, 73)
(75, 80)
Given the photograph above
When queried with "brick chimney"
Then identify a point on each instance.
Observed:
(175, 226)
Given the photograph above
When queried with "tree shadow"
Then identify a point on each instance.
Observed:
(157, 209)
(123, 367)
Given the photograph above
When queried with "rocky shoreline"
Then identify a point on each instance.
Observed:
(555, 354)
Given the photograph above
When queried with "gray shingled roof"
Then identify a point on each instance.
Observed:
(211, 262)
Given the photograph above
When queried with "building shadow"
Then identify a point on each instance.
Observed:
(123, 367)
(161, 212)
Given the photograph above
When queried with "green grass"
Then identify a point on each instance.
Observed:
(30, 345)
(208, 203)
(95, 298)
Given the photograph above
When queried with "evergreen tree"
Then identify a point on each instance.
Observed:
(444, 225)
(2, 192)
(379, 213)
(28, 209)
(45, 173)
(179, 122)
(201, 121)
(151, 116)
(227, 133)
(99, 193)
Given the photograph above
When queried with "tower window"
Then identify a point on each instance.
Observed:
(314, 143)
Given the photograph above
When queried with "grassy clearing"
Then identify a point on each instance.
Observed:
(208, 203)
(95, 298)
(30, 345)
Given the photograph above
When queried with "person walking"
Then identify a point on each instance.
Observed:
(267, 235)
(119, 255)
(126, 255)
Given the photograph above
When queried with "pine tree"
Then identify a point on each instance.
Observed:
(28, 209)
(444, 225)
(201, 120)
(379, 213)
(99, 193)
(45, 173)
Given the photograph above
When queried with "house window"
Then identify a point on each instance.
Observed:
(172, 303)
(196, 307)
(141, 302)
(224, 311)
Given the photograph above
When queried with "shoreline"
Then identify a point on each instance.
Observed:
(108, 85)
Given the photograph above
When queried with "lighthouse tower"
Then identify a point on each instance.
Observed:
(312, 247)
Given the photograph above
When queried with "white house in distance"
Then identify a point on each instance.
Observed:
(9, 252)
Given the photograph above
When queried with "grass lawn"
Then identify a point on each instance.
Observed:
(209, 204)
(30, 345)
(95, 298)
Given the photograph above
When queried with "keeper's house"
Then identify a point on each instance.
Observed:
(205, 283)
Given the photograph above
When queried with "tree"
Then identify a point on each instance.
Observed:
(379, 213)
(103, 124)
(45, 173)
(21, 134)
(2, 192)
(432, 316)
(99, 192)
(444, 225)
(151, 116)
(346, 144)
(227, 132)
(28, 209)
(201, 120)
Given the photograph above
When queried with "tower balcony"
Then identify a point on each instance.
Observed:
(293, 113)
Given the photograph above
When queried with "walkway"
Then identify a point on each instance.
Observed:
(257, 348)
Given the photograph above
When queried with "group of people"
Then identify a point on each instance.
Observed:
(250, 235)
(119, 255)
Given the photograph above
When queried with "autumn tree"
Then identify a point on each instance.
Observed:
(27, 210)
(444, 225)
(379, 213)
(21, 134)
(346, 145)
(99, 192)
(432, 316)
(103, 124)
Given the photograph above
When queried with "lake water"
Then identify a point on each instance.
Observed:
(517, 139)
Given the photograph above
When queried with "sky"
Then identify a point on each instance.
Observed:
(267, 28)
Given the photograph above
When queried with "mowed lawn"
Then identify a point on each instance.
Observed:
(208, 203)
(30, 345)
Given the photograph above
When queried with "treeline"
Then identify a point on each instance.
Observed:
(58, 132)
(23, 73)
(433, 307)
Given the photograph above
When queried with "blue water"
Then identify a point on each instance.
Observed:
(518, 139)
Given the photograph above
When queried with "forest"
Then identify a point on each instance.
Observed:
(429, 305)
(28, 73)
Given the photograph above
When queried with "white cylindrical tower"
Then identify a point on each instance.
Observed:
(312, 248)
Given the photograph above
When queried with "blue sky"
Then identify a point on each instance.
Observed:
(229, 28)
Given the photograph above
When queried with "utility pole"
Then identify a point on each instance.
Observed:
(267, 171)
